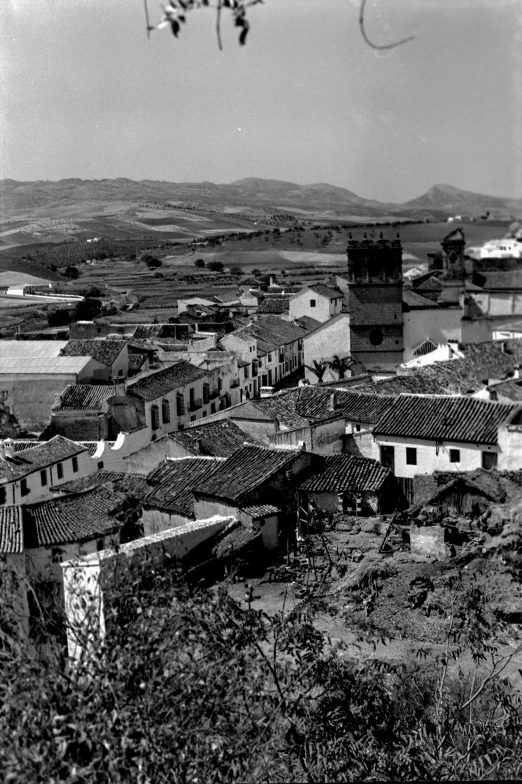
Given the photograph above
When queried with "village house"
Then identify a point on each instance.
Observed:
(317, 301)
(351, 485)
(241, 485)
(169, 399)
(28, 476)
(110, 357)
(170, 502)
(35, 538)
(32, 374)
(421, 434)
(273, 346)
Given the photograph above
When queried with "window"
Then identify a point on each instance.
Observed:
(59, 470)
(100, 465)
(3, 495)
(75, 464)
(24, 489)
(165, 411)
(180, 404)
(411, 455)
(269, 358)
(312, 303)
(43, 477)
(213, 407)
(154, 417)
(206, 393)
(100, 544)
(247, 371)
(454, 455)
(376, 337)
(193, 418)
(192, 398)
(56, 554)
(357, 428)
(120, 372)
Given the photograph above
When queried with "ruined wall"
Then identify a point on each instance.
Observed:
(29, 398)
(156, 520)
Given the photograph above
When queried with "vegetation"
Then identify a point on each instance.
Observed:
(215, 266)
(199, 263)
(71, 272)
(318, 368)
(188, 686)
(60, 317)
(88, 309)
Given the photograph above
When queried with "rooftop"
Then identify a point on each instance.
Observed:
(30, 348)
(215, 439)
(84, 397)
(342, 473)
(134, 485)
(164, 381)
(73, 518)
(172, 482)
(444, 418)
(245, 470)
(275, 305)
(37, 457)
(104, 351)
(44, 365)
(322, 290)
(271, 332)
(11, 530)
(414, 301)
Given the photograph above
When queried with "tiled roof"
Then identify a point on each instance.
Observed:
(245, 470)
(136, 361)
(134, 485)
(320, 288)
(342, 473)
(173, 481)
(271, 332)
(511, 388)
(415, 301)
(444, 418)
(299, 407)
(83, 397)
(234, 539)
(73, 518)
(46, 453)
(21, 446)
(274, 305)
(104, 351)
(11, 530)
(164, 381)
(215, 439)
(261, 510)
(482, 361)
(308, 323)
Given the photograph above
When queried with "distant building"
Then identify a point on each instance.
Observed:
(318, 302)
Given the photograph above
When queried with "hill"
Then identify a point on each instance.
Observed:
(446, 198)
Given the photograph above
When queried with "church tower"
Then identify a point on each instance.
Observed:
(374, 301)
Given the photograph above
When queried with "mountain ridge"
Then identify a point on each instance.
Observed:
(19, 195)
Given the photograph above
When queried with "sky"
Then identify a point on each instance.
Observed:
(85, 94)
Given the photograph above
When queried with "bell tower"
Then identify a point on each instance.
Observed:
(374, 301)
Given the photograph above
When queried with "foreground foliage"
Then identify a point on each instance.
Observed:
(190, 687)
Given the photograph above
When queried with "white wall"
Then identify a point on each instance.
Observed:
(431, 458)
(39, 492)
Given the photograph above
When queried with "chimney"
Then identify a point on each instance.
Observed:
(119, 388)
(333, 403)
(8, 448)
(272, 280)
(516, 371)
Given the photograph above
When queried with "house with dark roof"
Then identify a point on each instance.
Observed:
(421, 434)
(169, 502)
(317, 301)
(110, 357)
(352, 485)
(212, 439)
(273, 348)
(241, 485)
(82, 412)
(169, 399)
(28, 476)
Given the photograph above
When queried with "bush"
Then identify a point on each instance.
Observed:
(215, 266)
(236, 271)
(59, 317)
(199, 263)
(87, 310)
(154, 263)
(94, 291)
(73, 273)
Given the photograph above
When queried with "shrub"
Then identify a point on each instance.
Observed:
(236, 271)
(73, 273)
(199, 263)
(94, 291)
(154, 263)
(58, 318)
(87, 310)
(215, 266)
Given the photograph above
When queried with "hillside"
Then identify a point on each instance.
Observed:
(446, 198)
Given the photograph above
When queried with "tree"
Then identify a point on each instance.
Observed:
(73, 273)
(94, 291)
(340, 365)
(154, 263)
(215, 266)
(59, 317)
(318, 368)
(199, 263)
(236, 271)
(87, 310)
